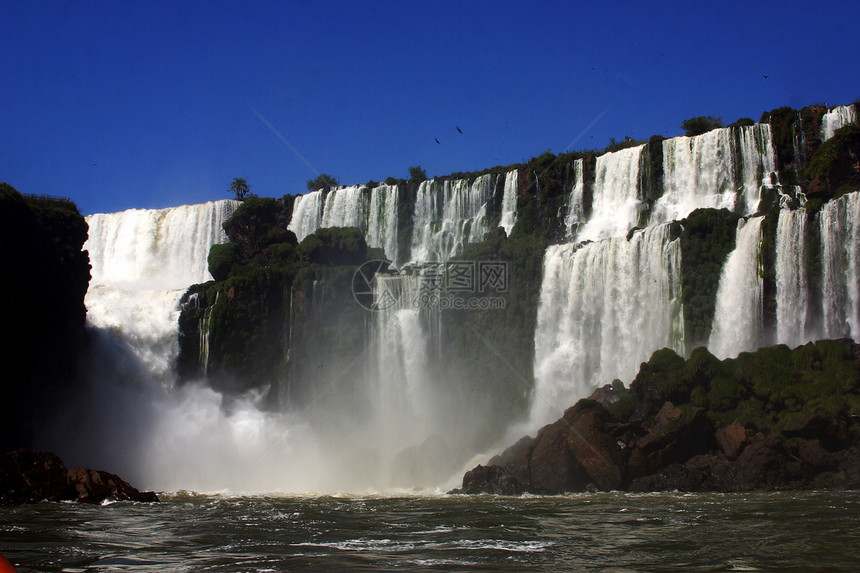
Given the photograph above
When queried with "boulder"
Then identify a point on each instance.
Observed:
(731, 439)
(28, 476)
(552, 467)
(595, 451)
(490, 479)
(95, 486)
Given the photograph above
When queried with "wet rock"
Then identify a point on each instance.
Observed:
(671, 478)
(596, 452)
(490, 479)
(731, 439)
(95, 486)
(552, 467)
(28, 476)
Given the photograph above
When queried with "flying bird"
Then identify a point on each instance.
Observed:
(458, 129)
(765, 77)
(437, 140)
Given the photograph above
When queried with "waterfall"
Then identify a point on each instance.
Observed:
(723, 168)
(401, 351)
(509, 201)
(382, 226)
(792, 288)
(604, 307)
(575, 208)
(448, 215)
(738, 314)
(156, 249)
(345, 207)
(840, 256)
(758, 163)
(307, 214)
(835, 118)
(418, 427)
(616, 204)
(142, 262)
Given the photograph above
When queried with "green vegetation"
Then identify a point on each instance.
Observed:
(239, 187)
(774, 389)
(334, 246)
(417, 174)
(700, 124)
(845, 141)
(258, 223)
(322, 181)
(272, 298)
(707, 238)
(743, 122)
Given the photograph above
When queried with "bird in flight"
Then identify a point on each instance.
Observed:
(437, 140)
(765, 77)
(458, 129)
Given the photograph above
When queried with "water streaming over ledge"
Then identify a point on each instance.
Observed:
(604, 308)
(608, 299)
(738, 314)
(837, 117)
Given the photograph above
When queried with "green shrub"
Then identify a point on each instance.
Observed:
(844, 139)
(700, 124)
(221, 260)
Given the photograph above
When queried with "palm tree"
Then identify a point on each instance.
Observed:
(239, 186)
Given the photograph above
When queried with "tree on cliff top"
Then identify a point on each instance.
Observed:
(701, 124)
(323, 181)
(239, 186)
(417, 174)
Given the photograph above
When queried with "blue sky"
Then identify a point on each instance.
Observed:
(124, 105)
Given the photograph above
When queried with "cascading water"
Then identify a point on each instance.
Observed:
(307, 214)
(835, 118)
(448, 215)
(142, 260)
(604, 307)
(509, 201)
(403, 393)
(722, 169)
(345, 207)
(138, 422)
(606, 303)
(792, 283)
(575, 208)
(382, 226)
(840, 255)
(616, 204)
(738, 314)
(375, 216)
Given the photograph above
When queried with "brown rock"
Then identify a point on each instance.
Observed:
(731, 439)
(811, 452)
(95, 486)
(607, 394)
(490, 479)
(28, 476)
(596, 451)
(552, 467)
(672, 477)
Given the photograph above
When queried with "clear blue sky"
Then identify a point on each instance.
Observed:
(123, 104)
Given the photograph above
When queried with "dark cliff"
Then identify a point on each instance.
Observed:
(43, 287)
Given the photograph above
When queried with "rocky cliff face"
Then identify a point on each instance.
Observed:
(43, 289)
(772, 419)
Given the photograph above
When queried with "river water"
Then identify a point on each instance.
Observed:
(786, 531)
